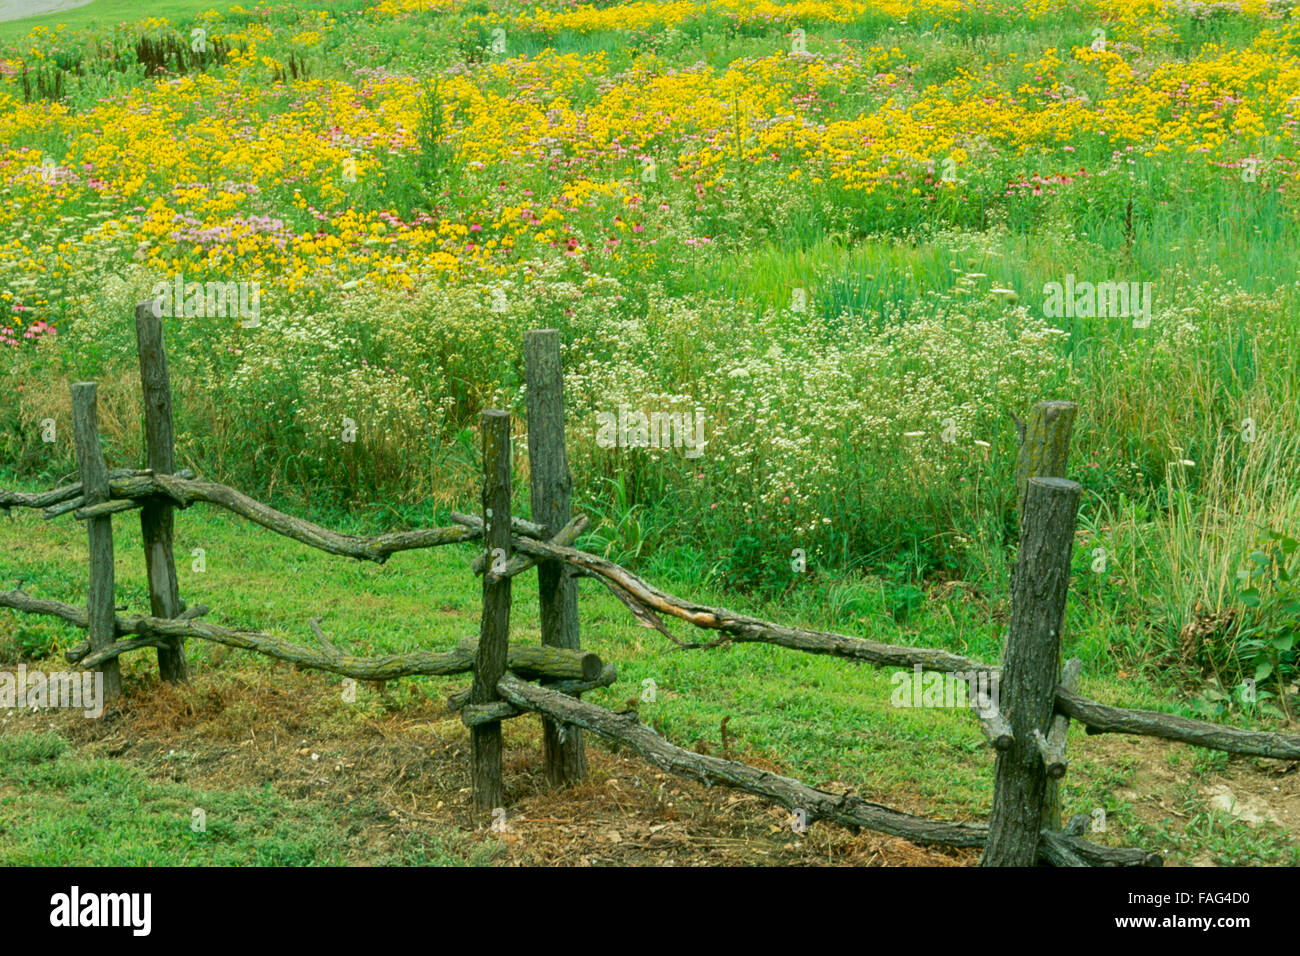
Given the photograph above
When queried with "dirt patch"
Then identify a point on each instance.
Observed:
(1253, 790)
(234, 730)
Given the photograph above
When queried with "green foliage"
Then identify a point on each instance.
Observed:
(431, 135)
(34, 641)
(1220, 840)
(30, 748)
(1269, 648)
(617, 531)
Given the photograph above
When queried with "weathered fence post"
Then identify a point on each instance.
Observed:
(156, 517)
(1044, 450)
(494, 632)
(94, 483)
(548, 462)
(1030, 664)
(1044, 446)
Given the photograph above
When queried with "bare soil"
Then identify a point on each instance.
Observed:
(242, 730)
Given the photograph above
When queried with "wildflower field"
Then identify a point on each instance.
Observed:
(851, 241)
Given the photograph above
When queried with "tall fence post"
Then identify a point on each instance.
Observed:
(1030, 663)
(1044, 451)
(94, 483)
(552, 482)
(494, 631)
(156, 517)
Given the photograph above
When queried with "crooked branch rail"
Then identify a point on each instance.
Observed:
(536, 661)
(1027, 727)
(844, 809)
(1098, 717)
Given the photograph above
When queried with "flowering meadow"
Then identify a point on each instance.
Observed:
(829, 226)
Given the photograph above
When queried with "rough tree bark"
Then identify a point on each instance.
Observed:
(1104, 719)
(648, 602)
(1044, 451)
(1052, 748)
(1029, 668)
(1044, 446)
(556, 663)
(564, 755)
(183, 492)
(494, 633)
(43, 499)
(94, 479)
(156, 516)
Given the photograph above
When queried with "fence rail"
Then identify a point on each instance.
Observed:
(1027, 726)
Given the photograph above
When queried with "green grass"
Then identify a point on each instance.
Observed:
(820, 719)
(57, 809)
(106, 14)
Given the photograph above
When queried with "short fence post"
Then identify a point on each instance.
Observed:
(156, 517)
(1044, 446)
(548, 462)
(1030, 664)
(1044, 451)
(94, 483)
(494, 631)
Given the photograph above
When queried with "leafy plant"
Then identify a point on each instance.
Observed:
(1271, 646)
(619, 534)
(30, 641)
(431, 135)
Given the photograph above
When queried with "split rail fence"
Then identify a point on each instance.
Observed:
(1027, 723)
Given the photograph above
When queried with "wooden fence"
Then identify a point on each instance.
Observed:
(1027, 723)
